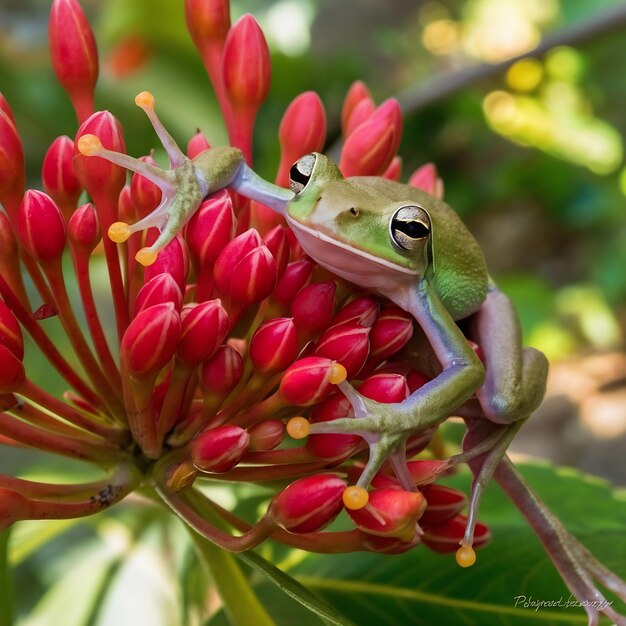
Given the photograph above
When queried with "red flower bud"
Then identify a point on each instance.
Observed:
(426, 471)
(266, 435)
(277, 242)
(388, 388)
(361, 112)
(308, 504)
(12, 372)
(41, 227)
(445, 537)
(309, 380)
(204, 327)
(358, 92)
(11, 162)
(369, 149)
(4, 106)
(312, 308)
(302, 130)
(151, 340)
(332, 447)
(10, 332)
(159, 290)
(197, 145)
(415, 380)
(394, 171)
(145, 194)
(173, 259)
(218, 450)
(347, 344)
(426, 179)
(274, 345)
(98, 176)
(390, 513)
(211, 227)
(207, 20)
(74, 54)
(230, 255)
(83, 229)
(297, 275)
(126, 207)
(388, 545)
(363, 310)
(58, 177)
(223, 371)
(254, 277)
(246, 68)
(477, 349)
(444, 503)
(391, 332)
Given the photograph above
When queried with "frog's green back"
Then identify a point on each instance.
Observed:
(460, 277)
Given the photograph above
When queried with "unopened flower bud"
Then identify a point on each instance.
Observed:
(83, 229)
(254, 277)
(445, 538)
(313, 306)
(230, 255)
(363, 310)
(347, 344)
(388, 388)
(444, 503)
(11, 162)
(222, 372)
(308, 504)
(218, 450)
(6, 108)
(274, 345)
(388, 545)
(394, 171)
(302, 130)
(266, 435)
(358, 92)
(173, 259)
(58, 176)
(150, 340)
(426, 179)
(12, 372)
(415, 380)
(74, 54)
(204, 328)
(390, 513)
(197, 145)
(332, 446)
(361, 112)
(391, 332)
(207, 20)
(159, 290)
(41, 227)
(145, 194)
(297, 275)
(310, 379)
(277, 242)
(10, 332)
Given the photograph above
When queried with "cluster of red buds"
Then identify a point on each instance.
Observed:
(223, 341)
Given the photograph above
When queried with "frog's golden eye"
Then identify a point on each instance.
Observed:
(300, 172)
(409, 226)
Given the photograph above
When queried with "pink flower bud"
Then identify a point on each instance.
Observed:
(10, 332)
(426, 179)
(218, 450)
(57, 174)
(41, 227)
(254, 277)
(197, 145)
(12, 372)
(83, 229)
(361, 112)
(308, 504)
(150, 340)
(246, 68)
(223, 371)
(11, 161)
(445, 537)
(415, 380)
(274, 345)
(391, 332)
(6, 108)
(388, 545)
(126, 207)
(297, 275)
(388, 388)
(332, 447)
(358, 92)
(313, 306)
(98, 176)
(173, 259)
(363, 310)
(230, 255)
(347, 344)
(204, 328)
(394, 171)
(211, 227)
(369, 149)
(277, 242)
(13, 508)
(426, 471)
(308, 380)
(444, 503)
(145, 194)
(159, 290)
(302, 130)
(74, 54)
(390, 513)
(266, 435)
(207, 20)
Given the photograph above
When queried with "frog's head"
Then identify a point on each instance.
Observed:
(356, 230)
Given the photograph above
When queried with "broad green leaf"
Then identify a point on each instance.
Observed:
(423, 588)
(6, 581)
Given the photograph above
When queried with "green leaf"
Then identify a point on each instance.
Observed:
(6, 581)
(424, 588)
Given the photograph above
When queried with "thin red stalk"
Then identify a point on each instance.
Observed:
(260, 473)
(47, 347)
(280, 457)
(240, 133)
(174, 398)
(259, 411)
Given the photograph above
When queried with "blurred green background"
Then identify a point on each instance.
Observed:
(531, 155)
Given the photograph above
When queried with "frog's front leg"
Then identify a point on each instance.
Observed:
(386, 427)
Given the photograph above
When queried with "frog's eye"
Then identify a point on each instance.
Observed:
(300, 172)
(409, 226)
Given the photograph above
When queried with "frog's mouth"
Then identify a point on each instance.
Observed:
(342, 258)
